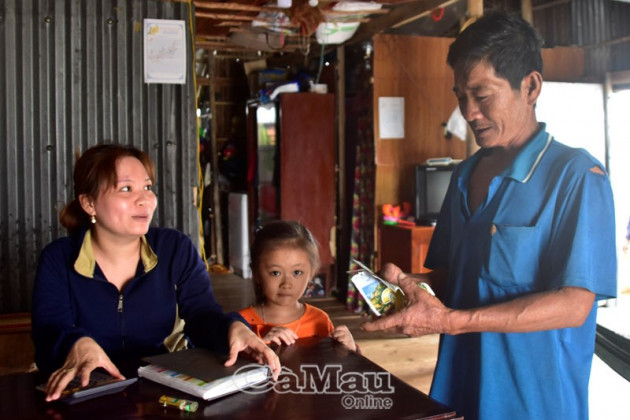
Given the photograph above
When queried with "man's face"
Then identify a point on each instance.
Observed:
(498, 115)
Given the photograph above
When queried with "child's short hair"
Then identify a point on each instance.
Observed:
(283, 233)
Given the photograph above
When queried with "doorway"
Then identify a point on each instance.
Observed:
(599, 115)
(619, 169)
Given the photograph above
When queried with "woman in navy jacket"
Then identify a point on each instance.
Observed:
(117, 289)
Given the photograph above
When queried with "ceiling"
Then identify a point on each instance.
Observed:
(260, 28)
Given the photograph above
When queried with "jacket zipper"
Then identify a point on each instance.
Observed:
(120, 311)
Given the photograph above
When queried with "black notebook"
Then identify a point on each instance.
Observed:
(201, 373)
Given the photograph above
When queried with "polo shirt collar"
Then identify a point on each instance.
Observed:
(86, 263)
(530, 156)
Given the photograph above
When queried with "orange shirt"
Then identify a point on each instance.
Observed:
(314, 323)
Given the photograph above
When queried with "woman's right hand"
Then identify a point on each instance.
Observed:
(280, 335)
(85, 356)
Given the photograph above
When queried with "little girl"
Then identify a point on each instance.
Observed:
(284, 258)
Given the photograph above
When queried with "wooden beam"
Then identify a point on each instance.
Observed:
(619, 77)
(609, 42)
(396, 15)
(231, 6)
(210, 38)
(354, 12)
(223, 16)
(550, 4)
(259, 9)
(230, 23)
(423, 14)
(250, 18)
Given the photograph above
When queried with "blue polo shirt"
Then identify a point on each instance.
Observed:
(546, 223)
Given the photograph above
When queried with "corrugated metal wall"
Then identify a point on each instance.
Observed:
(71, 75)
(602, 27)
(619, 29)
(591, 28)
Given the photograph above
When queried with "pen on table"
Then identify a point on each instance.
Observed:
(183, 405)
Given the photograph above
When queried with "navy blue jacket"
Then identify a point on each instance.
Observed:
(72, 299)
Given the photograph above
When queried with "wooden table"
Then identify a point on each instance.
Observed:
(340, 385)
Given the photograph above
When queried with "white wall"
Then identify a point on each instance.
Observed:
(574, 113)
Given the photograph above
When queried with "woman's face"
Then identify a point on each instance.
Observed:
(127, 208)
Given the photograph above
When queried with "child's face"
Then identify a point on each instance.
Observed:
(283, 274)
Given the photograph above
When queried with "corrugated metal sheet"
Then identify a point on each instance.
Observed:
(619, 29)
(602, 27)
(591, 30)
(71, 75)
(553, 23)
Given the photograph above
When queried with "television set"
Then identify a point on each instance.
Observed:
(431, 183)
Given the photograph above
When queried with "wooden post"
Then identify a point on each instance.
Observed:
(527, 12)
(340, 169)
(475, 8)
(217, 237)
(608, 90)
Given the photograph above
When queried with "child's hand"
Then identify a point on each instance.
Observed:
(343, 335)
(280, 335)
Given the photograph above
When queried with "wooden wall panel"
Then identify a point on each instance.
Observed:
(387, 178)
(413, 68)
(563, 64)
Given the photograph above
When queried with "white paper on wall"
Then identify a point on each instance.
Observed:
(164, 51)
(391, 117)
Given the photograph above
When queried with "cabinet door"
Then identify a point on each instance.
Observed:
(307, 164)
(404, 246)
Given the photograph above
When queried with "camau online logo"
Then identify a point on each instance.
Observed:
(357, 388)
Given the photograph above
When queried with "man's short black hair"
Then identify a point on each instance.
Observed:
(505, 41)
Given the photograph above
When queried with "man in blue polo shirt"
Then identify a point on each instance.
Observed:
(523, 248)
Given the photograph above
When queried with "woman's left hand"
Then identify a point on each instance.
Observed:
(242, 339)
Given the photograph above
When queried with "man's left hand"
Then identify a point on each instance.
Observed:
(422, 314)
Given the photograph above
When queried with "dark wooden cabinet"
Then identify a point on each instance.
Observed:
(298, 182)
(307, 164)
(405, 246)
